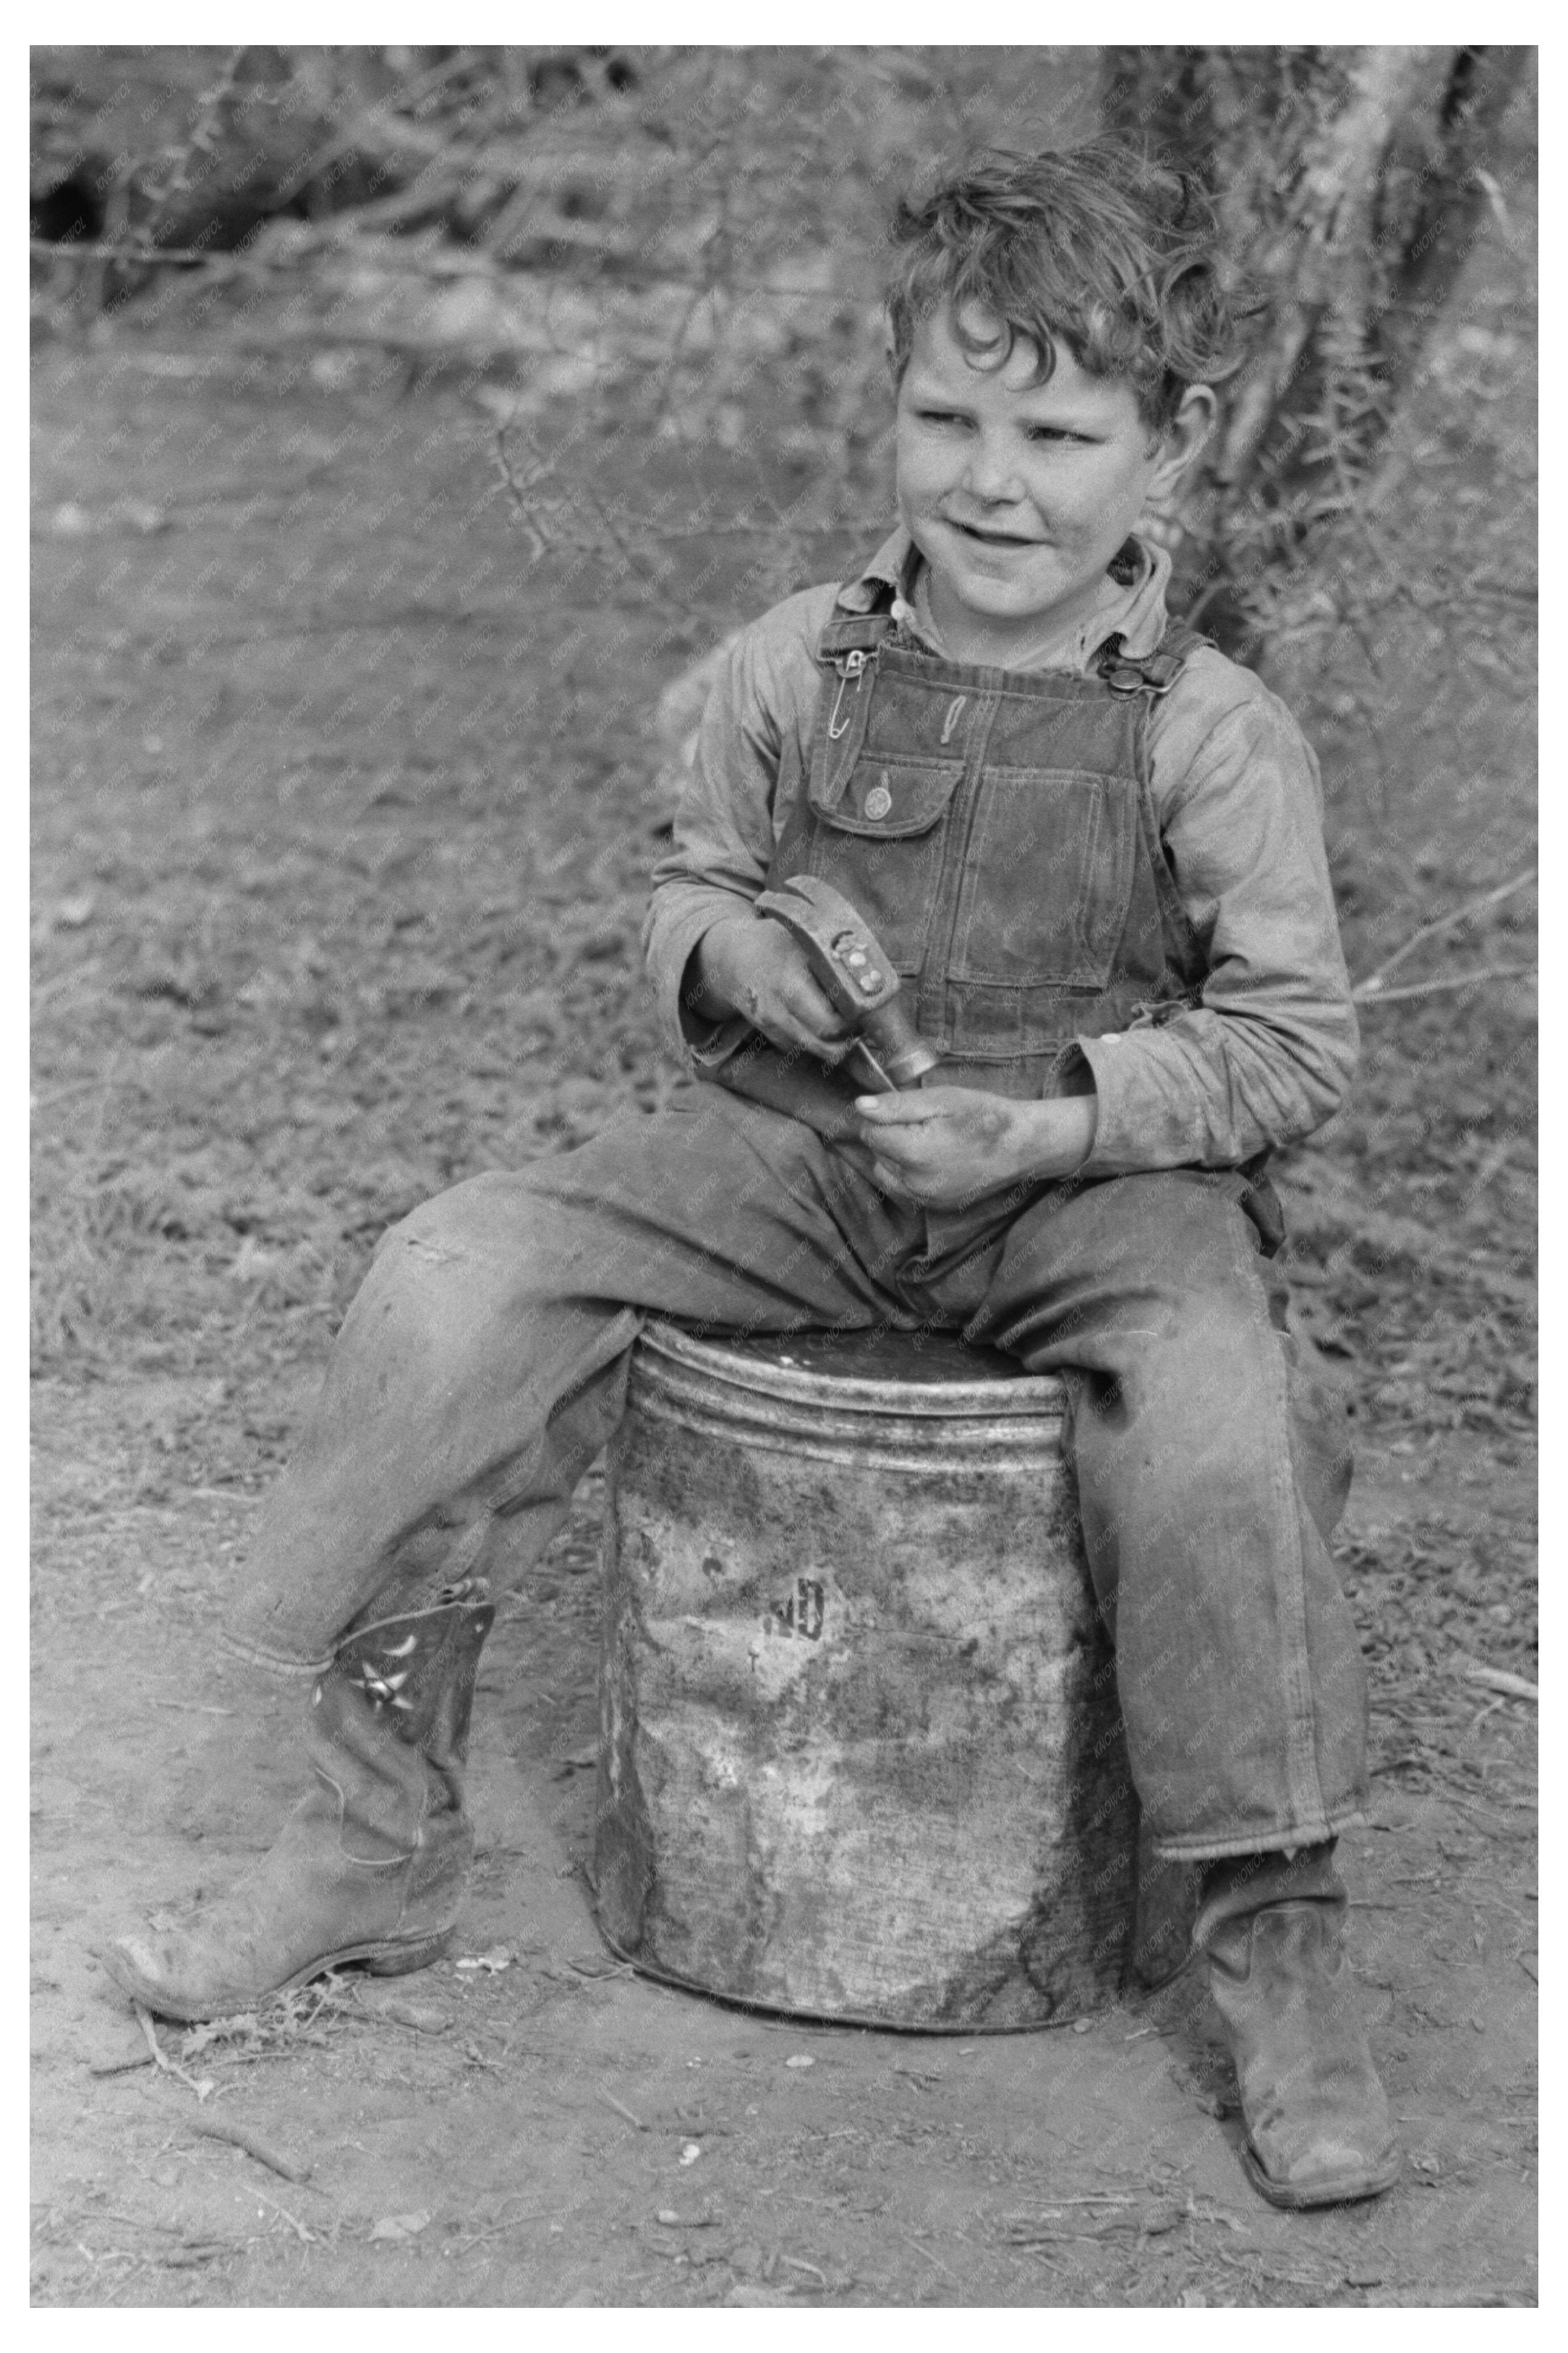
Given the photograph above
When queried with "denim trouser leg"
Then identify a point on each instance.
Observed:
(483, 1363)
(1240, 1676)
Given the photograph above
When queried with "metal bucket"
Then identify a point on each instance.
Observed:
(862, 1756)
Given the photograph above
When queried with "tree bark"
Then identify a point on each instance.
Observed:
(1350, 184)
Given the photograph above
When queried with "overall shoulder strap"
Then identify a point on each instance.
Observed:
(849, 633)
(1154, 673)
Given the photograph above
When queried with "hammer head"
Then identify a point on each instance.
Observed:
(846, 958)
(856, 974)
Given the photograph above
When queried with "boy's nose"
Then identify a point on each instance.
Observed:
(990, 479)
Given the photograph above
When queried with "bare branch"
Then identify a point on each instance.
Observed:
(1450, 981)
(1373, 984)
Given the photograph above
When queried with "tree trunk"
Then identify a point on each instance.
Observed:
(1349, 183)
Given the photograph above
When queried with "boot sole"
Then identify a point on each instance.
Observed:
(380, 1960)
(1341, 2189)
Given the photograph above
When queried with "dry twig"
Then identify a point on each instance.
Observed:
(170, 2066)
(219, 2128)
(929, 2253)
(1498, 1679)
(799, 2264)
(308, 2237)
(1373, 984)
(1439, 987)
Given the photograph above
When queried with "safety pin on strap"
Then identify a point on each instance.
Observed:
(853, 665)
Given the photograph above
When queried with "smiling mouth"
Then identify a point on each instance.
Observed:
(991, 538)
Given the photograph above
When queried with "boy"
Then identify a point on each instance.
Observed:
(1092, 846)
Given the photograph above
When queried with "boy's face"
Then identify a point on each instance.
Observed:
(1018, 494)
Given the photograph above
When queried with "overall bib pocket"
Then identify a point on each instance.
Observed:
(881, 843)
(1048, 879)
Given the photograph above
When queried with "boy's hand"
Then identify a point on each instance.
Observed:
(945, 1146)
(751, 964)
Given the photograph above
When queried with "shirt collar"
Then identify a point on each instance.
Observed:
(1136, 613)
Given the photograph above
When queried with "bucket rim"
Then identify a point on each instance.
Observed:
(1037, 1394)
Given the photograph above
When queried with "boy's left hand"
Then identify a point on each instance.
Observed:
(945, 1146)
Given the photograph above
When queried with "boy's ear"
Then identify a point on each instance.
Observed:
(1183, 437)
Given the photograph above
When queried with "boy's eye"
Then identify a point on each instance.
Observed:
(1049, 434)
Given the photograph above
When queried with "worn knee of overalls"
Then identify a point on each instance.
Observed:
(997, 832)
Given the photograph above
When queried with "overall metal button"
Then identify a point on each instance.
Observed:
(879, 801)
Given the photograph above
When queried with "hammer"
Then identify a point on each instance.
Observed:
(856, 974)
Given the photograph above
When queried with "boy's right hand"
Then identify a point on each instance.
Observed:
(751, 964)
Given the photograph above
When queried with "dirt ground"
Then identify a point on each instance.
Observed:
(344, 819)
(470, 2132)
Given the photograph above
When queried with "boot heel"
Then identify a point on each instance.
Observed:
(400, 1960)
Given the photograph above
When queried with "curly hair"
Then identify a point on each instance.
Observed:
(1099, 246)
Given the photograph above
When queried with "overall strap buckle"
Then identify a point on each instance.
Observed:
(1154, 673)
(847, 633)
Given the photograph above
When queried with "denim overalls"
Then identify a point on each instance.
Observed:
(996, 831)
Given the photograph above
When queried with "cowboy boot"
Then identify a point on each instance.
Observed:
(372, 1864)
(1316, 2118)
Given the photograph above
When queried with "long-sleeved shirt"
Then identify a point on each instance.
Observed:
(1266, 1056)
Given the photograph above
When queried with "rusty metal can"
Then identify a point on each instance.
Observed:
(862, 1756)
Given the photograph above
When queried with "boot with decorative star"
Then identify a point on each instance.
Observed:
(1317, 2124)
(372, 1865)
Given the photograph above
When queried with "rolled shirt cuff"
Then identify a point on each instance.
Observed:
(706, 1044)
(1134, 1126)
(691, 1038)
